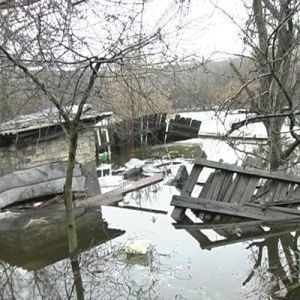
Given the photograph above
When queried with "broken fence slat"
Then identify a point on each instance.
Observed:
(247, 171)
(249, 189)
(179, 213)
(244, 211)
(192, 180)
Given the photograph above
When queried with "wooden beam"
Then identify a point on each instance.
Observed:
(250, 237)
(284, 202)
(236, 225)
(113, 197)
(247, 171)
(244, 211)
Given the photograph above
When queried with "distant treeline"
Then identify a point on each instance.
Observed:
(139, 90)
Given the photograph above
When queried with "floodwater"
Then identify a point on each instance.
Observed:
(34, 260)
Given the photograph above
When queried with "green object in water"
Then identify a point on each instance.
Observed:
(103, 157)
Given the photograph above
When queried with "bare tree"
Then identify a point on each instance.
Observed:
(272, 83)
(64, 47)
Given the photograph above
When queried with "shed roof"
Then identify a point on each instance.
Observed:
(47, 118)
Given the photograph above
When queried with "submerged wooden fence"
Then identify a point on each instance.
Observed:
(234, 197)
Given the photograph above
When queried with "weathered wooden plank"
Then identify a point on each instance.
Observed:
(295, 193)
(249, 189)
(269, 191)
(235, 192)
(115, 196)
(192, 180)
(216, 186)
(281, 191)
(207, 186)
(285, 202)
(142, 183)
(179, 213)
(237, 189)
(226, 182)
(271, 187)
(250, 237)
(42, 173)
(237, 225)
(247, 171)
(51, 187)
(207, 192)
(289, 211)
(245, 211)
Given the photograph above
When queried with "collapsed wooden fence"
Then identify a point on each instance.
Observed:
(236, 199)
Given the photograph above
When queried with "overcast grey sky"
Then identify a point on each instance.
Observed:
(206, 29)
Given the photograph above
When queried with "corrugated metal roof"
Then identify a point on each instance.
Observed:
(46, 118)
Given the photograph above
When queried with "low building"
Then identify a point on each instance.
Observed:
(37, 139)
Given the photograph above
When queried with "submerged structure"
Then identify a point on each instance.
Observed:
(42, 236)
(34, 151)
(236, 202)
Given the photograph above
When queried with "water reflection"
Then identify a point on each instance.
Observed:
(102, 270)
(275, 254)
(35, 265)
(34, 240)
(37, 241)
(276, 266)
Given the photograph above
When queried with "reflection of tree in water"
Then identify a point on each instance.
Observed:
(276, 270)
(147, 195)
(105, 273)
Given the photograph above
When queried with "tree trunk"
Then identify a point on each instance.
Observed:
(275, 143)
(70, 217)
(68, 194)
(77, 278)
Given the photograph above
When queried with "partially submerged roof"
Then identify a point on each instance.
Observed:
(47, 118)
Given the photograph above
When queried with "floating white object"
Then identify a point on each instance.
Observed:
(134, 163)
(36, 222)
(138, 247)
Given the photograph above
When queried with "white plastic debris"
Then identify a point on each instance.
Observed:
(134, 163)
(138, 247)
(36, 222)
(8, 215)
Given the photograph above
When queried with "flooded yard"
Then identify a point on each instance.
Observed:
(34, 263)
